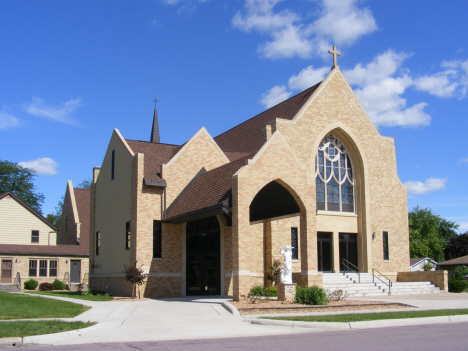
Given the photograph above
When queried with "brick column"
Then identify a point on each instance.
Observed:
(336, 251)
(308, 245)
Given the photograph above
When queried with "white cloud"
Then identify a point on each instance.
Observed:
(438, 84)
(420, 188)
(339, 22)
(59, 114)
(308, 77)
(464, 160)
(274, 96)
(7, 120)
(43, 165)
(463, 228)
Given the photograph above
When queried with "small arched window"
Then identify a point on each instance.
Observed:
(334, 177)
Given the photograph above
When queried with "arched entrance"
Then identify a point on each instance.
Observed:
(203, 257)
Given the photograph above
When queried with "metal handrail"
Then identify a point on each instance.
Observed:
(17, 281)
(85, 279)
(66, 279)
(389, 284)
(346, 264)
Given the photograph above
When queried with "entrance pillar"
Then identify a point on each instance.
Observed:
(336, 252)
(308, 245)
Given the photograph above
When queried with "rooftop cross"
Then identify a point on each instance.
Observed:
(155, 102)
(335, 54)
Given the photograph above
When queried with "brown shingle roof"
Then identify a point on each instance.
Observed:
(43, 250)
(155, 155)
(211, 188)
(82, 198)
(459, 260)
(247, 136)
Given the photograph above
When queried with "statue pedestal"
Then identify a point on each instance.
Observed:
(287, 292)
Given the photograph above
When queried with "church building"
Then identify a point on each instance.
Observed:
(209, 217)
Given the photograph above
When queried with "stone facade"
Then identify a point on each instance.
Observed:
(287, 157)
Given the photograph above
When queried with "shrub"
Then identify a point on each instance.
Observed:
(335, 295)
(46, 287)
(95, 293)
(459, 272)
(136, 276)
(259, 290)
(58, 285)
(313, 295)
(30, 284)
(457, 285)
(428, 267)
(274, 271)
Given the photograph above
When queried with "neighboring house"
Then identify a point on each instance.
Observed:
(209, 216)
(33, 248)
(417, 264)
(451, 264)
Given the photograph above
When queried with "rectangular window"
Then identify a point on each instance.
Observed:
(385, 246)
(98, 242)
(42, 268)
(127, 236)
(52, 268)
(294, 244)
(113, 165)
(32, 268)
(157, 239)
(35, 236)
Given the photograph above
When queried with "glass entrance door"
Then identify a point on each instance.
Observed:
(348, 250)
(324, 252)
(203, 257)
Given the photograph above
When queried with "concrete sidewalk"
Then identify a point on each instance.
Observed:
(195, 318)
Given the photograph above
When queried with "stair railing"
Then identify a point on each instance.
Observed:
(85, 279)
(389, 284)
(66, 279)
(349, 267)
(17, 281)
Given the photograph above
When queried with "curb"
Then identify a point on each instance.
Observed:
(230, 308)
(11, 341)
(383, 323)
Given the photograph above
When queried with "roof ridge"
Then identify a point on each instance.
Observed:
(150, 142)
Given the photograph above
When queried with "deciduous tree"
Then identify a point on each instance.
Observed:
(457, 247)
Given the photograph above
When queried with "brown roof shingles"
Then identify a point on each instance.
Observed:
(82, 198)
(247, 136)
(44, 250)
(211, 188)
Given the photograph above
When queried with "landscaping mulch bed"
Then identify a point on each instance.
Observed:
(248, 306)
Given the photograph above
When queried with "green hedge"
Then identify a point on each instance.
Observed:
(457, 285)
(313, 295)
(30, 284)
(58, 285)
(259, 290)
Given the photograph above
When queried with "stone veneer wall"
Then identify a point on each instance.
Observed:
(438, 278)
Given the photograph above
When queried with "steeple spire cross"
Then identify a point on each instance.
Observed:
(335, 54)
(155, 102)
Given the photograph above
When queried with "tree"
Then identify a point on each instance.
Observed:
(457, 247)
(85, 184)
(136, 276)
(429, 234)
(20, 181)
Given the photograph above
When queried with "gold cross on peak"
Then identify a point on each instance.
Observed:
(335, 54)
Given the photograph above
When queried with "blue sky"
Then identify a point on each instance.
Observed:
(71, 71)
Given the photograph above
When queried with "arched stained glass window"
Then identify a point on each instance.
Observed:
(334, 177)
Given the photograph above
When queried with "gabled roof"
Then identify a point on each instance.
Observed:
(45, 250)
(459, 260)
(82, 198)
(155, 155)
(246, 138)
(27, 207)
(415, 261)
(211, 189)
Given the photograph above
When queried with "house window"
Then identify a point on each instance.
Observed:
(98, 242)
(157, 239)
(42, 268)
(32, 268)
(52, 268)
(35, 236)
(386, 256)
(334, 177)
(127, 236)
(294, 244)
(113, 165)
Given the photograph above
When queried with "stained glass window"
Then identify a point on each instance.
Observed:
(294, 244)
(334, 177)
(385, 246)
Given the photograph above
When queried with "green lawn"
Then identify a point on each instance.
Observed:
(20, 329)
(71, 294)
(17, 306)
(358, 317)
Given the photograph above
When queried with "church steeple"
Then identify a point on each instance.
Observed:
(155, 129)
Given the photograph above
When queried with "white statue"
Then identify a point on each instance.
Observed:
(286, 272)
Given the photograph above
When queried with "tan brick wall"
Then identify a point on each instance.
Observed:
(438, 278)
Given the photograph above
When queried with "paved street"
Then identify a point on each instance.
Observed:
(439, 337)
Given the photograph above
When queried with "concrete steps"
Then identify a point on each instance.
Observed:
(354, 285)
(9, 288)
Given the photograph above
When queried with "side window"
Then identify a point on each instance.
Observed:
(32, 268)
(98, 242)
(157, 239)
(52, 268)
(386, 255)
(294, 244)
(35, 236)
(127, 236)
(43, 268)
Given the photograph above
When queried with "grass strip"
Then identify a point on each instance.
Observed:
(360, 317)
(72, 295)
(17, 306)
(20, 329)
